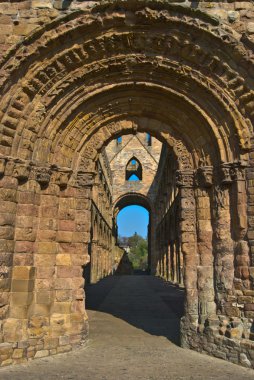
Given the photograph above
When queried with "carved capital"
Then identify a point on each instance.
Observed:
(21, 170)
(185, 178)
(233, 171)
(204, 176)
(42, 175)
(226, 178)
(62, 177)
(238, 171)
(85, 179)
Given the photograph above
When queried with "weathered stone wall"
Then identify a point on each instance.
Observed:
(119, 155)
(44, 314)
(20, 18)
(104, 254)
(168, 251)
(209, 255)
(71, 81)
(146, 150)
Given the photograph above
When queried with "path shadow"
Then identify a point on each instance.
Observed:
(158, 314)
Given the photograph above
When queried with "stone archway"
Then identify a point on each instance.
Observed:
(62, 100)
(137, 199)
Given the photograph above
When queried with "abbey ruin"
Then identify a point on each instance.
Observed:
(91, 93)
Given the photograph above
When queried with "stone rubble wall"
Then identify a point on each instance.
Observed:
(210, 339)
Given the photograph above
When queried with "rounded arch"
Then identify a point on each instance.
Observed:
(129, 199)
(55, 100)
(150, 66)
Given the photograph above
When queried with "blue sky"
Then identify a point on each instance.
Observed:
(133, 219)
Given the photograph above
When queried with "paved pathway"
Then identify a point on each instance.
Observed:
(134, 331)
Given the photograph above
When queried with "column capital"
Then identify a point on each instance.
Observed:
(185, 178)
(42, 175)
(22, 170)
(204, 176)
(238, 171)
(85, 179)
(61, 176)
(232, 172)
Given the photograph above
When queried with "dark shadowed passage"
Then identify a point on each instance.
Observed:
(145, 302)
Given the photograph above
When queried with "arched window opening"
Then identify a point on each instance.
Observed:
(149, 139)
(133, 170)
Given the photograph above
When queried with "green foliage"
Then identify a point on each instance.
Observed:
(138, 250)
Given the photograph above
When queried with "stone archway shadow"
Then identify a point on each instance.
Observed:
(156, 306)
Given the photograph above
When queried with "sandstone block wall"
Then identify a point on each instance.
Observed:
(104, 253)
(74, 76)
(119, 155)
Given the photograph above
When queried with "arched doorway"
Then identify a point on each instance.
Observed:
(63, 100)
(126, 202)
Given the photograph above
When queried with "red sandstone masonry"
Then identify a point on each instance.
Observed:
(62, 101)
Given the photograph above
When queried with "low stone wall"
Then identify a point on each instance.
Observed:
(41, 337)
(222, 338)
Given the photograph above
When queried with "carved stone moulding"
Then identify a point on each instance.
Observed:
(84, 179)
(22, 170)
(238, 171)
(15, 167)
(42, 175)
(61, 176)
(226, 174)
(204, 176)
(185, 178)
(232, 171)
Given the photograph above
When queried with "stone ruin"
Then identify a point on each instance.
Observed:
(77, 75)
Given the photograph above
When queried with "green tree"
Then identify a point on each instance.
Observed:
(138, 251)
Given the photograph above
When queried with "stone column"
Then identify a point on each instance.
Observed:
(27, 219)
(8, 199)
(223, 247)
(45, 250)
(250, 214)
(68, 321)
(204, 182)
(94, 261)
(240, 226)
(93, 245)
(153, 244)
(24, 272)
(169, 262)
(188, 241)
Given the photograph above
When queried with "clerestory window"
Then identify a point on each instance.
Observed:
(133, 170)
